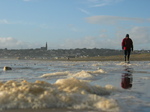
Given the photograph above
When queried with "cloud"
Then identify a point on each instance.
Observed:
(137, 28)
(12, 43)
(100, 41)
(73, 28)
(84, 11)
(139, 35)
(26, 0)
(86, 42)
(30, 0)
(111, 20)
(9, 42)
(4, 21)
(101, 3)
(44, 26)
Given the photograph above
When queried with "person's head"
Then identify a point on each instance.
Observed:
(127, 35)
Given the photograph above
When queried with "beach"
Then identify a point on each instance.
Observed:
(70, 86)
(44, 110)
(133, 57)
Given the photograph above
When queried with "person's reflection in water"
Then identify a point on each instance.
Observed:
(126, 81)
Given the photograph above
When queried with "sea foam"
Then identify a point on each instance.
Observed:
(81, 74)
(65, 93)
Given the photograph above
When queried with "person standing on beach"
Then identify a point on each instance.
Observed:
(127, 46)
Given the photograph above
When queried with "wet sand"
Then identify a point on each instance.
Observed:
(46, 110)
(133, 57)
(138, 95)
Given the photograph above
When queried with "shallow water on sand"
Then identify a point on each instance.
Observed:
(94, 86)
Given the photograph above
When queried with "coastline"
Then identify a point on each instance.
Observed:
(133, 57)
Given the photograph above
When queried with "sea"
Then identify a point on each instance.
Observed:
(83, 86)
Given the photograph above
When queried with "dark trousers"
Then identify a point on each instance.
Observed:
(127, 54)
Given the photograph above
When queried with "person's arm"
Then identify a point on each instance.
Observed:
(131, 45)
(123, 44)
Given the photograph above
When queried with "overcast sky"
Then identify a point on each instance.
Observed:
(66, 24)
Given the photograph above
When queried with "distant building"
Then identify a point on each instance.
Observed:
(44, 48)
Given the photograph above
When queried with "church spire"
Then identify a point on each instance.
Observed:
(46, 46)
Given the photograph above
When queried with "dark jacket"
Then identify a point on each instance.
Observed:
(127, 44)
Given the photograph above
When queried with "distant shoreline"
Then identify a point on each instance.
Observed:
(133, 57)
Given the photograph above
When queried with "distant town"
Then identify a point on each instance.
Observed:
(44, 53)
